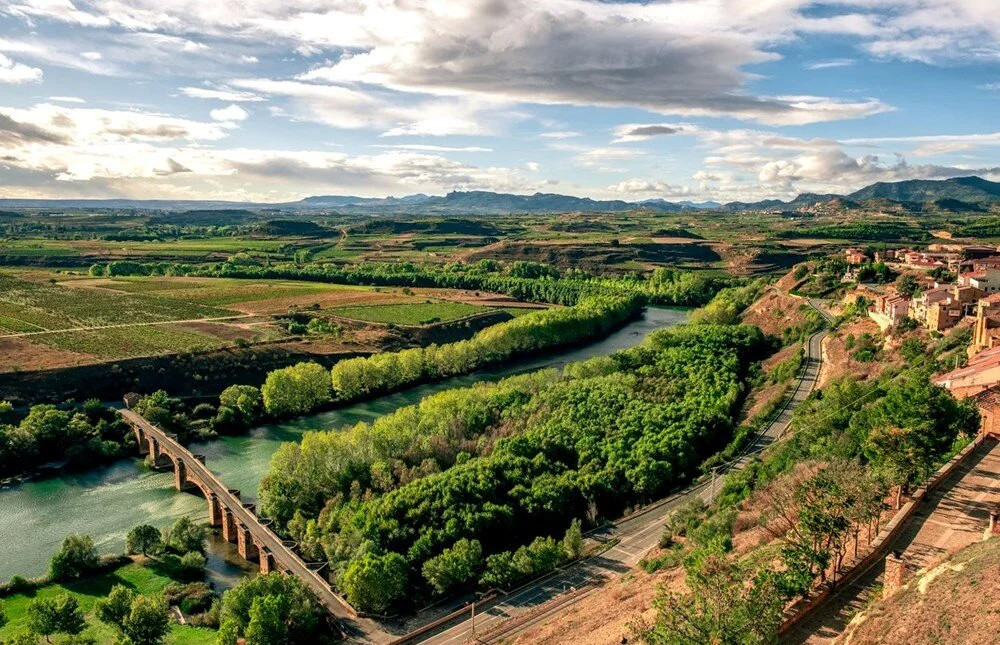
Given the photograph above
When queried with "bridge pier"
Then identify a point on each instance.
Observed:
(180, 474)
(214, 510)
(267, 564)
(245, 544)
(228, 525)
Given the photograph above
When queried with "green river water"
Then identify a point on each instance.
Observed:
(107, 501)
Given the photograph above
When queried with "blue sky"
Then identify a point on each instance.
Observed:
(691, 99)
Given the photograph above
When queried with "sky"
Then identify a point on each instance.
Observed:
(260, 100)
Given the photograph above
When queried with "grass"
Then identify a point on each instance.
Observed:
(420, 313)
(141, 578)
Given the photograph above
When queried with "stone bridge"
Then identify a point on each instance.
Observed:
(240, 524)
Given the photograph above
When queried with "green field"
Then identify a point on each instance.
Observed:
(128, 342)
(52, 306)
(222, 291)
(420, 313)
(141, 579)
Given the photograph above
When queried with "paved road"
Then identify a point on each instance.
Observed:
(635, 537)
(285, 558)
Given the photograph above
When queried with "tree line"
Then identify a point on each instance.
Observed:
(305, 387)
(528, 281)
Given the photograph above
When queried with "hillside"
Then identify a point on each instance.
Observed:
(957, 602)
(965, 189)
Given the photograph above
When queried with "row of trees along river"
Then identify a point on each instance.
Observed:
(105, 502)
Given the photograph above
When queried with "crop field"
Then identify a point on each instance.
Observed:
(418, 313)
(37, 306)
(222, 291)
(128, 342)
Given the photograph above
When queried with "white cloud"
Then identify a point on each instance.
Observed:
(829, 64)
(231, 112)
(431, 148)
(221, 94)
(67, 99)
(532, 166)
(16, 73)
(560, 134)
(645, 187)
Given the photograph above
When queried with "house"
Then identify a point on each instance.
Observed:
(986, 332)
(944, 315)
(855, 256)
(986, 280)
(889, 309)
(982, 373)
(988, 404)
(920, 304)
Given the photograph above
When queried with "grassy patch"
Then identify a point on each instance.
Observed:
(141, 579)
(123, 342)
(420, 313)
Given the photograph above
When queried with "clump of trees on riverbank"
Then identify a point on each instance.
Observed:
(586, 443)
(305, 387)
(76, 433)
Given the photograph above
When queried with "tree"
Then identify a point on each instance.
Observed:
(266, 626)
(147, 622)
(244, 399)
(374, 582)
(116, 607)
(184, 536)
(298, 611)
(298, 389)
(454, 566)
(77, 557)
(3, 616)
(721, 608)
(573, 540)
(144, 539)
(48, 616)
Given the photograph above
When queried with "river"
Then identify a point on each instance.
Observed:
(106, 502)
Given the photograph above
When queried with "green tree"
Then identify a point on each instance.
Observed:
(266, 626)
(144, 539)
(113, 609)
(298, 610)
(3, 616)
(454, 566)
(77, 557)
(573, 540)
(374, 582)
(147, 622)
(298, 389)
(721, 608)
(185, 535)
(61, 615)
(245, 399)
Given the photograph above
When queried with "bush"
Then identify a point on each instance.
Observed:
(454, 566)
(77, 558)
(297, 389)
(193, 563)
(192, 598)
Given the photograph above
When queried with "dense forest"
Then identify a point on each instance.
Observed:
(476, 484)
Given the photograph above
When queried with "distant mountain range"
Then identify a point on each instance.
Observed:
(960, 193)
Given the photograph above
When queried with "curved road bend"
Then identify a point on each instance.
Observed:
(635, 536)
(285, 558)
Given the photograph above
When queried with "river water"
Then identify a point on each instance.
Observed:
(107, 501)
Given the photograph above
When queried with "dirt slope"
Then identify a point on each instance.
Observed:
(957, 602)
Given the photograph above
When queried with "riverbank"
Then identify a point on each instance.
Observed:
(106, 502)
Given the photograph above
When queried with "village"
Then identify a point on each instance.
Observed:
(943, 288)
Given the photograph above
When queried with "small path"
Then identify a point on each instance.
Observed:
(121, 325)
(953, 517)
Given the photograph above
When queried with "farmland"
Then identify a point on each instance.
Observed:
(420, 313)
